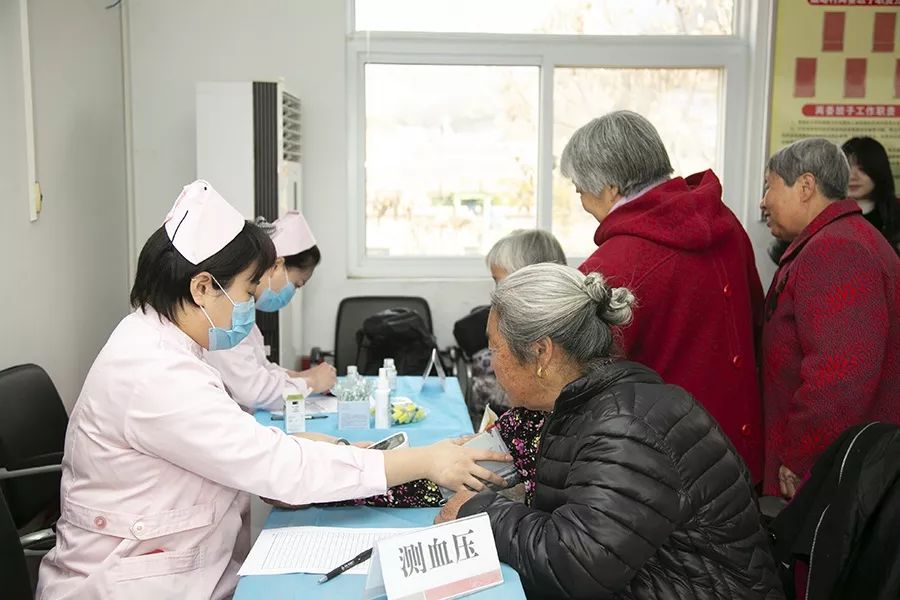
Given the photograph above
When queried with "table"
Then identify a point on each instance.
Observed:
(447, 417)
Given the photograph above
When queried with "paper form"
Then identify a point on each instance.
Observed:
(312, 549)
(318, 404)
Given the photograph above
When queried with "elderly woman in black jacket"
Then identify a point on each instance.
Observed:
(639, 494)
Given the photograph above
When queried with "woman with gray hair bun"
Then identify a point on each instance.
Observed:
(675, 243)
(638, 494)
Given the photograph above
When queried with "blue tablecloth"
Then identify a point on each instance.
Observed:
(447, 417)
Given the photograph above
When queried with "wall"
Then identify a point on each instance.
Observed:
(64, 276)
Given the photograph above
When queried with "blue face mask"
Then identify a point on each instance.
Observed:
(272, 301)
(243, 317)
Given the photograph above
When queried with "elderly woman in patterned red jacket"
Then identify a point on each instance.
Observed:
(831, 337)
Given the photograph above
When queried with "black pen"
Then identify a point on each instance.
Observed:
(358, 559)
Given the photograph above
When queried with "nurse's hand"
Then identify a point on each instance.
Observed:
(454, 467)
(320, 378)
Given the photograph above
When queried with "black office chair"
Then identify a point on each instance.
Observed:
(351, 314)
(32, 436)
(471, 337)
(14, 575)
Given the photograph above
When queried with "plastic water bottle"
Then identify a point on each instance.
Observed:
(354, 397)
(382, 401)
(391, 373)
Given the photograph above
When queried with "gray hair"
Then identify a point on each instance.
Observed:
(525, 247)
(576, 311)
(620, 149)
(268, 228)
(820, 158)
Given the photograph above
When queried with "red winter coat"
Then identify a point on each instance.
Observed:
(831, 340)
(690, 264)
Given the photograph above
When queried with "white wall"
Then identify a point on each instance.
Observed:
(173, 44)
(64, 276)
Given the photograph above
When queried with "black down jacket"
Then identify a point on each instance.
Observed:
(844, 521)
(638, 495)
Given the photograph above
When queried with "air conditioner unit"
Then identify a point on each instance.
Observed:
(248, 148)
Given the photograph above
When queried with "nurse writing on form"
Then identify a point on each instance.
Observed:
(158, 457)
(249, 376)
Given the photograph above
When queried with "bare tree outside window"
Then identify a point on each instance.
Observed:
(451, 157)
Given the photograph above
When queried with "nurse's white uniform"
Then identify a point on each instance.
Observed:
(158, 460)
(251, 378)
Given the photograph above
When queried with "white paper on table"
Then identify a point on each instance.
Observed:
(318, 404)
(312, 549)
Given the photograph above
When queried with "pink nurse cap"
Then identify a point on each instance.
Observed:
(292, 234)
(201, 222)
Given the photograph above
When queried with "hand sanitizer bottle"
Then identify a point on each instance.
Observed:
(391, 373)
(382, 401)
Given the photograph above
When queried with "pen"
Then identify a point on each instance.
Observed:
(279, 416)
(358, 559)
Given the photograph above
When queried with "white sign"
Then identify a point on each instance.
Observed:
(445, 561)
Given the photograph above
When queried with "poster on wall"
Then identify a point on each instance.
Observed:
(836, 73)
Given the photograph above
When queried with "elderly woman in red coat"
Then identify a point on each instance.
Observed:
(689, 263)
(831, 339)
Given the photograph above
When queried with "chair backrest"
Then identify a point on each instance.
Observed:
(32, 433)
(354, 310)
(13, 569)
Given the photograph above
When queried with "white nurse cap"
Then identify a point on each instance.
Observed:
(292, 234)
(201, 222)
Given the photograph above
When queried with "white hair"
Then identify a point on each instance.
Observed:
(619, 149)
(525, 247)
(553, 301)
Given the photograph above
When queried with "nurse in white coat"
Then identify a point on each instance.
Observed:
(250, 377)
(158, 457)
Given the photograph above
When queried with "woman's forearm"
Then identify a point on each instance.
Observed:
(316, 437)
(406, 464)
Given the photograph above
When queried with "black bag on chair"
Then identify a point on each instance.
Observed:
(398, 333)
(470, 331)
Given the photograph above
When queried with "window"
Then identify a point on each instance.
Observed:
(566, 17)
(460, 111)
(453, 171)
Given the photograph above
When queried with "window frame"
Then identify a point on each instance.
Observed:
(737, 56)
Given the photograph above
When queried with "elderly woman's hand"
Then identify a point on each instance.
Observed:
(788, 482)
(450, 511)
